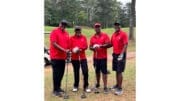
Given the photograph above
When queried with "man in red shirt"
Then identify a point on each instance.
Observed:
(59, 47)
(99, 43)
(78, 45)
(119, 41)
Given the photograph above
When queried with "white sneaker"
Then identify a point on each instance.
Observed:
(75, 89)
(88, 90)
(118, 92)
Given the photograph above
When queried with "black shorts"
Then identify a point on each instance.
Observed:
(118, 66)
(100, 65)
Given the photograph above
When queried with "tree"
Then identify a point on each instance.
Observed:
(132, 20)
(105, 12)
(86, 12)
(124, 14)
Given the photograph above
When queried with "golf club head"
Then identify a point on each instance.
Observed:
(83, 96)
(66, 96)
(96, 91)
(61, 95)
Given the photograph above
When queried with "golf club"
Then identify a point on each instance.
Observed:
(83, 94)
(68, 60)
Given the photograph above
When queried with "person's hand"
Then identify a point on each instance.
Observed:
(120, 57)
(79, 50)
(75, 50)
(95, 46)
(67, 51)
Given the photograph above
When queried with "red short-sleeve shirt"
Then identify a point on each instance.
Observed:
(80, 42)
(102, 38)
(62, 39)
(118, 40)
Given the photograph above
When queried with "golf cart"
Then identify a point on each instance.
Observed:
(46, 57)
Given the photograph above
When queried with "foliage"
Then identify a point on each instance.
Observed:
(86, 12)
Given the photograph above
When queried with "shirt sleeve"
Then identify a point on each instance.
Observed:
(85, 45)
(70, 43)
(125, 39)
(91, 42)
(107, 39)
(53, 36)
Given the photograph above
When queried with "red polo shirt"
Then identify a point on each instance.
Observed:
(80, 42)
(62, 39)
(100, 39)
(118, 40)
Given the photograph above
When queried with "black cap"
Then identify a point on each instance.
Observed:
(117, 23)
(64, 22)
(77, 28)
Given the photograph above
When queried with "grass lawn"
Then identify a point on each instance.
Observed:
(128, 81)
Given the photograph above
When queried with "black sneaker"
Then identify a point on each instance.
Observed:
(56, 93)
(97, 85)
(106, 90)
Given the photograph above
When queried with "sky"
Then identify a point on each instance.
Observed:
(124, 1)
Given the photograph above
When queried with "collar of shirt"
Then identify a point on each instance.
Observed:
(63, 31)
(98, 35)
(75, 36)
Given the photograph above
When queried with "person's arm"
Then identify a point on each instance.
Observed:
(91, 48)
(60, 48)
(91, 45)
(54, 39)
(107, 43)
(85, 45)
(125, 41)
(124, 49)
(111, 42)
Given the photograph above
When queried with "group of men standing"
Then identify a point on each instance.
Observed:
(62, 44)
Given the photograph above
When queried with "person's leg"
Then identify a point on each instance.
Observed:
(55, 73)
(120, 70)
(105, 80)
(116, 79)
(98, 76)
(61, 69)
(119, 79)
(103, 65)
(76, 66)
(97, 70)
(84, 68)
(114, 67)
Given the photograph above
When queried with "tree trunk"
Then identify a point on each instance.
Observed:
(132, 20)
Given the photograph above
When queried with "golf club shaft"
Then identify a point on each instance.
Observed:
(67, 62)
